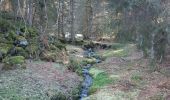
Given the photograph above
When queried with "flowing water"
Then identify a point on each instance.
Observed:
(87, 77)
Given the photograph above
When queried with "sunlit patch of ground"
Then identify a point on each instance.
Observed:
(135, 77)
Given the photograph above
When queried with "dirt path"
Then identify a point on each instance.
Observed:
(137, 79)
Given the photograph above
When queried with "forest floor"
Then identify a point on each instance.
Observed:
(133, 77)
(39, 81)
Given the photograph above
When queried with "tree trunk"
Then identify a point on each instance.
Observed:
(72, 20)
(30, 12)
(88, 19)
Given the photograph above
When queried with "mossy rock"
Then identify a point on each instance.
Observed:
(10, 36)
(4, 48)
(13, 61)
(3, 52)
(21, 41)
(21, 51)
(20, 38)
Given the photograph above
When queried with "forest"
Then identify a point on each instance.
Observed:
(84, 49)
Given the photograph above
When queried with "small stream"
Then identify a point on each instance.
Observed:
(85, 72)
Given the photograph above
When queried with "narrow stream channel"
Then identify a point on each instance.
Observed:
(87, 77)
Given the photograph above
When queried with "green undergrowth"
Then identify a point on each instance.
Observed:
(89, 60)
(100, 79)
(12, 32)
(13, 61)
(117, 46)
(117, 50)
(75, 66)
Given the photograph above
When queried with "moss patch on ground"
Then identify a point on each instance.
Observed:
(100, 79)
(117, 50)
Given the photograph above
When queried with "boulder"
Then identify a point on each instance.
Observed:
(20, 41)
(13, 62)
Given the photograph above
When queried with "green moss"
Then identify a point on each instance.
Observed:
(120, 50)
(117, 53)
(99, 81)
(4, 24)
(10, 36)
(4, 48)
(117, 45)
(75, 66)
(94, 72)
(14, 60)
(21, 51)
(31, 32)
(13, 34)
(89, 60)
(60, 46)
(20, 38)
(32, 48)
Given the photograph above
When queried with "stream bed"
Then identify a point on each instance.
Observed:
(85, 72)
